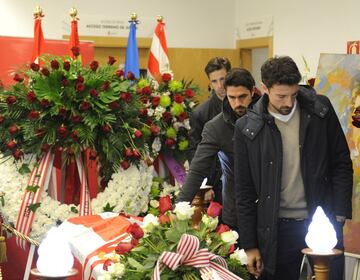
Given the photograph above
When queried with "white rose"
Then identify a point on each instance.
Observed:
(183, 210)
(210, 222)
(149, 223)
(229, 236)
(239, 255)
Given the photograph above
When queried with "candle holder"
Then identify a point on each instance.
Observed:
(36, 272)
(321, 261)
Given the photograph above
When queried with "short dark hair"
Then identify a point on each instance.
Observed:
(217, 63)
(280, 70)
(239, 77)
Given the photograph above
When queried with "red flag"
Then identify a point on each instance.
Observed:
(38, 39)
(158, 58)
(74, 39)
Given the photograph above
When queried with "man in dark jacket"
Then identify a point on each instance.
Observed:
(216, 70)
(217, 141)
(291, 156)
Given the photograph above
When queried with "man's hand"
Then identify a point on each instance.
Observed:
(209, 196)
(254, 264)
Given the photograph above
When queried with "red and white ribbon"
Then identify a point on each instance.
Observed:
(85, 203)
(188, 253)
(39, 177)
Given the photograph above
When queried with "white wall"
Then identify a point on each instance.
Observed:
(308, 27)
(190, 24)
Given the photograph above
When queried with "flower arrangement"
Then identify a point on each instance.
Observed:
(169, 245)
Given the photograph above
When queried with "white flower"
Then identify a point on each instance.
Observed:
(156, 145)
(117, 269)
(177, 125)
(149, 223)
(229, 236)
(210, 222)
(192, 104)
(151, 112)
(154, 203)
(187, 124)
(239, 255)
(183, 210)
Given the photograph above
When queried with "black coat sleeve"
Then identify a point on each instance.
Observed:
(197, 126)
(202, 162)
(245, 193)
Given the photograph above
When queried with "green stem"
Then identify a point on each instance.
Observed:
(152, 245)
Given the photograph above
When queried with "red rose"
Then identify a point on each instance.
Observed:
(11, 99)
(222, 228)
(84, 106)
(166, 77)
(144, 99)
(13, 129)
(106, 264)
(128, 152)
(80, 79)
(125, 164)
(155, 101)
(114, 105)
(167, 116)
(111, 60)
(214, 209)
(182, 116)
(75, 135)
(105, 86)
(164, 219)
(34, 66)
(33, 115)
(94, 93)
(143, 111)
(18, 154)
(2, 119)
(62, 112)
(76, 119)
(189, 93)
(135, 230)
(231, 249)
(130, 76)
(146, 90)
(126, 97)
(154, 130)
(45, 147)
(138, 133)
(123, 248)
(54, 64)
(119, 73)
(106, 128)
(64, 82)
(134, 242)
(67, 65)
(11, 144)
(45, 103)
(178, 98)
(75, 51)
(165, 204)
(169, 142)
(31, 96)
(18, 78)
(45, 71)
(136, 153)
(80, 87)
(94, 65)
(62, 131)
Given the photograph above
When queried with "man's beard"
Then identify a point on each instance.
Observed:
(241, 112)
(285, 110)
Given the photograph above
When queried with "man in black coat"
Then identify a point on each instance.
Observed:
(217, 141)
(216, 70)
(291, 156)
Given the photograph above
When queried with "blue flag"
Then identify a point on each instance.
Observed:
(132, 54)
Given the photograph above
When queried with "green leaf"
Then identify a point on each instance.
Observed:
(74, 209)
(24, 169)
(34, 206)
(136, 264)
(108, 208)
(173, 235)
(32, 188)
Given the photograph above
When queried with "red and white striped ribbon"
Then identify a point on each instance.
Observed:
(188, 253)
(39, 177)
(85, 203)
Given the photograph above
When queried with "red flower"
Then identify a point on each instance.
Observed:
(45, 103)
(146, 90)
(214, 209)
(80, 87)
(169, 142)
(119, 73)
(155, 101)
(189, 93)
(18, 78)
(126, 97)
(11, 99)
(166, 77)
(144, 99)
(105, 86)
(167, 116)
(31, 96)
(111, 60)
(18, 154)
(138, 133)
(62, 131)
(106, 264)
(54, 64)
(106, 128)
(114, 105)
(45, 71)
(64, 82)
(136, 153)
(11, 144)
(123, 248)
(84, 106)
(45, 147)
(2, 119)
(178, 98)
(33, 115)
(164, 219)
(75, 135)
(80, 79)
(182, 116)
(75, 51)
(134, 242)
(135, 230)
(34, 66)
(62, 112)
(93, 154)
(143, 111)
(231, 249)
(94, 93)
(130, 76)
(67, 65)
(76, 119)
(222, 228)
(94, 65)
(13, 129)
(154, 130)
(128, 152)
(165, 204)
(125, 164)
